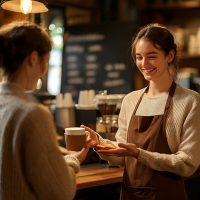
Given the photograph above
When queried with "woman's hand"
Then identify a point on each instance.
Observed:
(124, 150)
(94, 138)
(80, 155)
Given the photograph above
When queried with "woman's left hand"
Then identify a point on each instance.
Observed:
(80, 155)
(124, 150)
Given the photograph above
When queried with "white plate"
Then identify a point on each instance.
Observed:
(85, 107)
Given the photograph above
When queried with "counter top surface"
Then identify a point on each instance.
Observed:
(98, 174)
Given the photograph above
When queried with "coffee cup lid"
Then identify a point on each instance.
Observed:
(75, 131)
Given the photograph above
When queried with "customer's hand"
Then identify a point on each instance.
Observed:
(124, 150)
(80, 155)
(94, 138)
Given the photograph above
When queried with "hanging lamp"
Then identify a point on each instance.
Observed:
(24, 6)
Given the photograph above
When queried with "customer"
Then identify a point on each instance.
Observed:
(158, 140)
(31, 164)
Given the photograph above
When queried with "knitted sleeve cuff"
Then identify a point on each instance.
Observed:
(73, 162)
(145, 157)
(101, 140)
(141, 155)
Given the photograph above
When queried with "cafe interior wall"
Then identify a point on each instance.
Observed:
(175, 14)
(79, 12)
(95, 11)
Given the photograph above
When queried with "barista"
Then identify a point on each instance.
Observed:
(159, 131)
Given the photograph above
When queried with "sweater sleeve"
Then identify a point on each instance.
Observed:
(49, 174)
(186, 159)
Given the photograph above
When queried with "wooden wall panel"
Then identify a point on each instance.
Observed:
(9, 16)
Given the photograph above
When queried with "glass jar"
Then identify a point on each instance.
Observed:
(100, 125)
(108, 124)
(112, 104)
(114, 123)
(101, 101)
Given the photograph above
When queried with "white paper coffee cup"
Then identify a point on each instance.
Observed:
(75, 138)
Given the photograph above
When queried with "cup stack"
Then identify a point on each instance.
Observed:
(59, 100)
(86, 98)
(66, 102)
(83, 98)
(91, 94)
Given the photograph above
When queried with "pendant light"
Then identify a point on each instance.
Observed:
(24, 6)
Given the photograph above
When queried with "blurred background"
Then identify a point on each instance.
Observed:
(101, 58)
(90, 67)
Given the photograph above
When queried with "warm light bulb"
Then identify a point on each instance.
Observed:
(26, 6)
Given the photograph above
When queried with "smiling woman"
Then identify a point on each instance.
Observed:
(162, 39)
(158, 128)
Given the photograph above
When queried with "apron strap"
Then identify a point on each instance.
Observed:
(136, 107)
(171, 93)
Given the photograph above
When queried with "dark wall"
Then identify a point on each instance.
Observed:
(98, 57)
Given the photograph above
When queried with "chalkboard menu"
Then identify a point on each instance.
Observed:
(98, 57)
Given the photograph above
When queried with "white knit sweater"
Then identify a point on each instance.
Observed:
(182, 132)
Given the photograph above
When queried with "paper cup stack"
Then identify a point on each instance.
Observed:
(66, 102)
(86, 98)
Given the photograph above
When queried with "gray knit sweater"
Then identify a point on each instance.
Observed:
(31, 166)
(182, 131)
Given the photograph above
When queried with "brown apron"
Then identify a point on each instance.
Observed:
(141, 182)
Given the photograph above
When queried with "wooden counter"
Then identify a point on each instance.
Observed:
(98, 181)
(96, 175)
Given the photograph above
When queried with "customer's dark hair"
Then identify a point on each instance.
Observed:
(162, 39)
(17, 40)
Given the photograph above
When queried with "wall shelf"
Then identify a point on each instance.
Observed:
(178, 5)
(191, 56)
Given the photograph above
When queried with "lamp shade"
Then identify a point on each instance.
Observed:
(38, 6)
